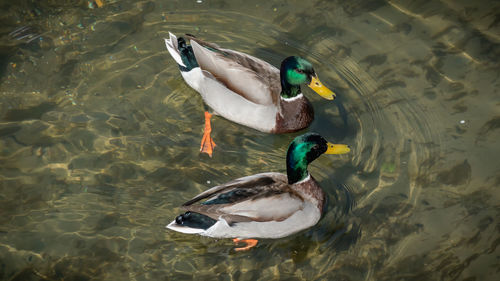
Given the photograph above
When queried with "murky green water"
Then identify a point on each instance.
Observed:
(99, 140)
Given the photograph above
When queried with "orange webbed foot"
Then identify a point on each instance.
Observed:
(250, 243)
(207, 144)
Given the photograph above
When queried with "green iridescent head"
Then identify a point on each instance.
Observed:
(296, 71)
(306, 148)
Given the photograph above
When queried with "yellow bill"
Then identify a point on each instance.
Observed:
(337, 148)
(320, 89)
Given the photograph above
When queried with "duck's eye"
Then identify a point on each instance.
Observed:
(299, 71)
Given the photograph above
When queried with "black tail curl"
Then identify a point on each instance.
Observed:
(187, 55)
(195, 220)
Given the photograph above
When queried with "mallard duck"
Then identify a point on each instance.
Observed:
(266, 205)
(245, 89)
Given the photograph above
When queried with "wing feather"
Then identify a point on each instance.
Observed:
(250, 77)
(261, 197)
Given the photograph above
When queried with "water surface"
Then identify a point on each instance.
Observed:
(99, 139)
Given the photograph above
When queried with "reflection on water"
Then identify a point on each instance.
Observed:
(99, 139)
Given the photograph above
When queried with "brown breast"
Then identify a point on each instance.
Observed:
(310, 190)
(295, 115)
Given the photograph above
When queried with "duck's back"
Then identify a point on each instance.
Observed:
(250, 77)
